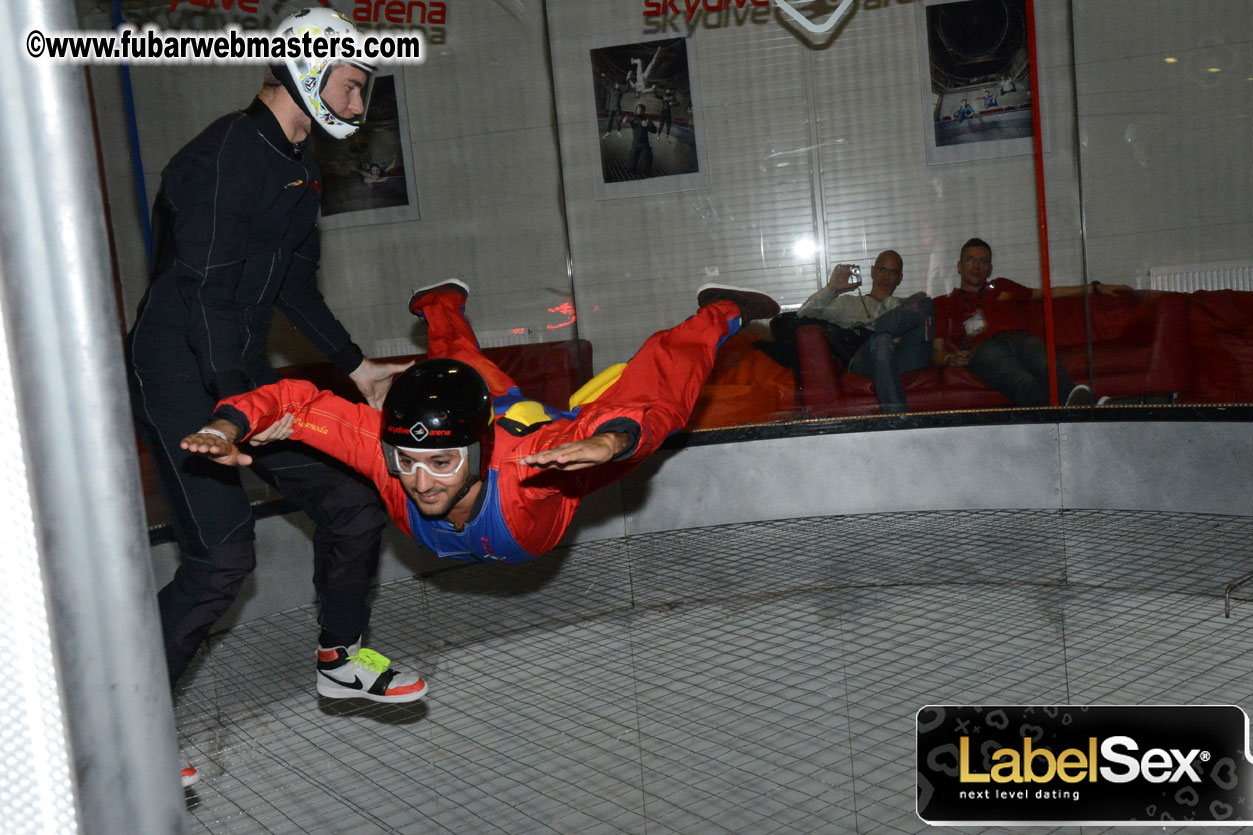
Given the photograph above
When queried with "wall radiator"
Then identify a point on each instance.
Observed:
(1230, 275)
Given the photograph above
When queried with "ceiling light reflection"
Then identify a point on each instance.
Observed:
(804, 248)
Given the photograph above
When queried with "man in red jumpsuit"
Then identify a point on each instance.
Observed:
(464, 463)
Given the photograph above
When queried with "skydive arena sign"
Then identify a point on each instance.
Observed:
(1021, 765)
(818, 19)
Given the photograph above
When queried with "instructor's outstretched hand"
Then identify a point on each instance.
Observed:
(373, 378)
(579, 455)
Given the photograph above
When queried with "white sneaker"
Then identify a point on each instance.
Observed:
(189, 775)
(356, 673)
(452, 285)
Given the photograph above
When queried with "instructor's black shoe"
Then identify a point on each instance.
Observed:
(452, 285)
(752, 304)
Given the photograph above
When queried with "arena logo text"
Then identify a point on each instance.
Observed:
(427, 16)
(400, 11)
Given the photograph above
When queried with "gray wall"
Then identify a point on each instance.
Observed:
(1167, 178)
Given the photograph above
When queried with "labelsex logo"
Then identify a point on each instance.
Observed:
(1039, 765)
(1001, 765)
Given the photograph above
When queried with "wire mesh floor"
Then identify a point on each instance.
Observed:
(752, 678)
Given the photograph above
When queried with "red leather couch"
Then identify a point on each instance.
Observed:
(1140, 347)
(1220, 331)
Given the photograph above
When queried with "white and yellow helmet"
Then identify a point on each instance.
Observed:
(305, 78)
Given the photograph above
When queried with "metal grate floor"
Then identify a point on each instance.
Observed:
(752, 678)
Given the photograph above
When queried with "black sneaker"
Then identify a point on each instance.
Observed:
(452, 285)
(752, 304)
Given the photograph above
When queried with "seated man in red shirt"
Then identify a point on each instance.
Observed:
(974, 328)
(464, 463)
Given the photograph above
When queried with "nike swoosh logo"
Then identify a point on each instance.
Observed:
(816, 28)
(355, 684)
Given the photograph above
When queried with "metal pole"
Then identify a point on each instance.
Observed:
(562, 201)
(78, 442)
(1083, 202)
(1042, 214)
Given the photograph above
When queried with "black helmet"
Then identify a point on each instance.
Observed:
(437, 404)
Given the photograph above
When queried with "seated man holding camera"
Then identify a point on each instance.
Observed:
(875, 334)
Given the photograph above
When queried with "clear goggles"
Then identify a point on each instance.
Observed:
(437, 463)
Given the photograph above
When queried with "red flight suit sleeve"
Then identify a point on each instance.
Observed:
(346, 431)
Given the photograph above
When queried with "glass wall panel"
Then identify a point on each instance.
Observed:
(1164, 93)
(587, 165)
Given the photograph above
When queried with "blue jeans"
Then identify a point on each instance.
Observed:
(1015, 363)
(901, 343)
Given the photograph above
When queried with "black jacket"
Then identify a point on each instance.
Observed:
(640, 131)
(234, 236)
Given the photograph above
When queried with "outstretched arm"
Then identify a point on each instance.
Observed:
(1097, 288)
(218, 440)
(346, 431)
(580, 455)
